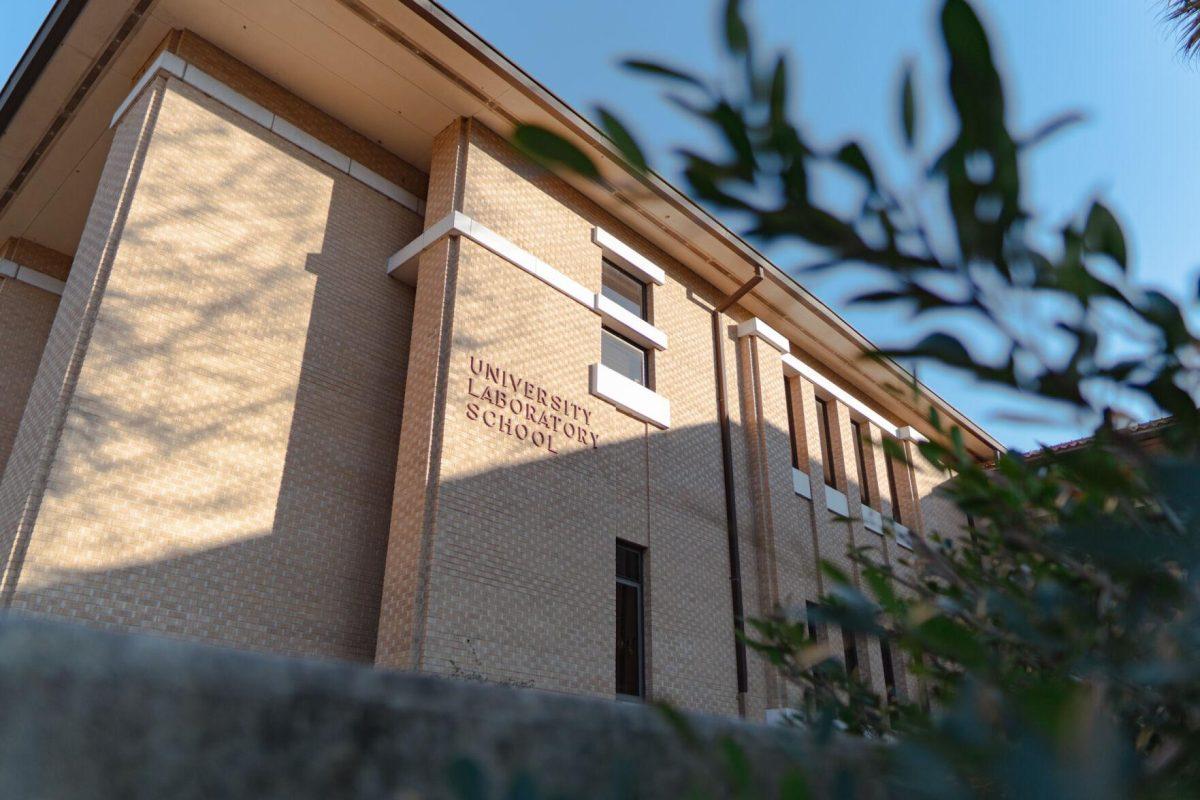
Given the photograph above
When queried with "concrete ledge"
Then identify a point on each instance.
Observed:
(631, 397)
(836, 502)
(102, 715)
(628, 258)
(801, 483)
(629, 325)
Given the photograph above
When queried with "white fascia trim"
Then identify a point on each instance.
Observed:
(174, 65)
(801, 484)
(793, 366)
(629, 325)
(39, 280)
(311, 144)
(523, 259)
(402, 265)
(223, 94)
(756, 327)
(910, 434)
(166, 62)
(836, 502)
(627, 257)
(629, 396)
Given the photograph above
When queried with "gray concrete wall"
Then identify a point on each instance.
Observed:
(108, 715)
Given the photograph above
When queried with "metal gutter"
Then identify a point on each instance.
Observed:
(47, 40)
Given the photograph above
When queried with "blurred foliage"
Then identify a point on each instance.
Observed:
(1057, 641)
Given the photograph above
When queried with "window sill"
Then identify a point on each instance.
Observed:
(801, 483)
(836, 502)
(629, 396)
(628, 325)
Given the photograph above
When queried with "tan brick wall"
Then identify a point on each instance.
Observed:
(26, 314)
(224, 470)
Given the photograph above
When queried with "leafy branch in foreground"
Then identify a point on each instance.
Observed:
(1058, 638)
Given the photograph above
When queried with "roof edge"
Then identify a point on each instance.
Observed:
(29, 68)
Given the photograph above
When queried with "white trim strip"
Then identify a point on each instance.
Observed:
(174, 65)
(403, 265)
(756, 327)
(166, 62)
(794, 366)
(40, 280)
(223, 94)
(629, 396)
(627, 324)
(627, 257)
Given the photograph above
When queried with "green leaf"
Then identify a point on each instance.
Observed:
(851, 155)
(1102, 234)
(552, 150)
(662, 71)
(1053, 126)
(623, 139)
(737, 36)
(908, 107)
(794, 786)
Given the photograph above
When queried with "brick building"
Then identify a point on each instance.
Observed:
(297, 354)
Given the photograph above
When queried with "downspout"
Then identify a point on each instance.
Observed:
(735, 559)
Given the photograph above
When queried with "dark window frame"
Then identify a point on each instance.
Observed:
(889, 669)
(645, 301)
(849, 651)
(638, 585)
(826, 436)
(793, 432)
(860, 455)
(892, 490)
(647, 373)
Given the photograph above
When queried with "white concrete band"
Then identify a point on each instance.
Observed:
(173, 65)
(628, 258)
(11, 269)
(630, 396)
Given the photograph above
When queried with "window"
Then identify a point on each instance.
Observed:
(895, 495)
(810, 617)
(616, 352)
(623, 289)
(826, 442)
(864, 488)
(850, 651)
(889, 669)
(630, 608)
(787, 393)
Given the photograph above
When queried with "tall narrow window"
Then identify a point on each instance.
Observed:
(850, 651)
(895, 495)
(787, 394)
(630, 628)
(864, 488)
(810, 619)
(889, 669)
(826, 442)
(616, 352)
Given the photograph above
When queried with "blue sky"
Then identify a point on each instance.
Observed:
(1114, 60)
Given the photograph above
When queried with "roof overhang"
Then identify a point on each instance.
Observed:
(397, 71)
